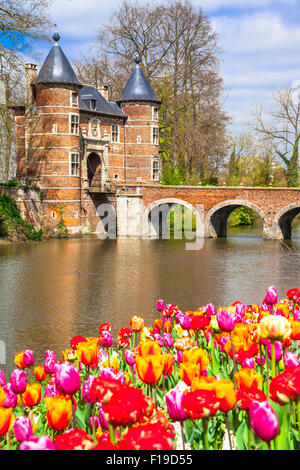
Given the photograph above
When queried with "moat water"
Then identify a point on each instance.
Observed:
(56, 289)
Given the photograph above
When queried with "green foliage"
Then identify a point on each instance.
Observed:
(12, 226)
(10, 184)
(62, 231)
(242, 216)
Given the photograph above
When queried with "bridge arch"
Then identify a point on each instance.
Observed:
(153, 226)
(282, 224)
(216, 218)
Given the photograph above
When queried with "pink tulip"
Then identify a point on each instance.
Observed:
(129, 357)
(50, 362)
(297, 315)
(160, 305)
(37, 443)
(271, 296)
(49, 353)
(28, 357)
(102, 419)
(67, 378)
(223, 341)
(51, 391)
(264, 421)
(22, 428)
(106, 339)
(291, 359)
(96, 421)
(18, 381)
(178, 356)
(11, 399)
(2, 378)
(158, 338)
(168, 340)
(250, 363)
(278, 351)
(85, 394)
(260, 359)
(239, 312)
(225, 320)
(184, 320)
(210, 311)
(173, 401)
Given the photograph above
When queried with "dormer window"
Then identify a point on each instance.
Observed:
(93, 105)
(74, 99)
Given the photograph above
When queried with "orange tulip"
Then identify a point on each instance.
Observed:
(167, 326)
(158, 323)
(39, 373)
(19, 361)
(167, 361)
(295, 329)
(59, 412)
(6, 420)
(188, 372)
(136, 323)
(149, 369)
(32, 395)
(284, 309)
(2, 396)
(149, 348)
(224, 390)
(247, 378)
(184, 343)
(87, 353)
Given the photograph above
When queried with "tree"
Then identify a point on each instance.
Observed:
(21, 24)
(281, 129)
(180, 55)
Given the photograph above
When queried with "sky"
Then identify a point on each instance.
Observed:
(260, 41)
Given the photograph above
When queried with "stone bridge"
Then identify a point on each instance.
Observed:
(211, 206)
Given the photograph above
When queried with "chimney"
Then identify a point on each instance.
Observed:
(30, 75)
(103, 90)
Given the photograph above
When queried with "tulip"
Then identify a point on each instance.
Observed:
(11, 399)
(264, 421)
(129, 357)
(158, 338)
(271, 296)
(32, 395)
(59, 412)
(49, 354)
(18, 381)
(22, 428)
(49, 365)
(168, 340)
(278, 351)
(2, 378)
(6, 420)
(297, 315)
(28, 357)
(86, 396)
(2, 396)
(102, 419)
(250, 363)
(173, 401)
(184, 320)
(87, 352)
(37, 443)
(109, 373)
(136, 323)
(106, 339)
(51, 391)
(149, 369)
(260, 360)
(225, 320)
(291, 359)
(67, 378)
(40, 374)
(274, 327)
(210, 310)
(160, 305)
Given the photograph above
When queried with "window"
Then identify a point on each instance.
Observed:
(155, 169)
(74, 166)
(74, 99)
(74, 124)
(54, 128)
(76, 215)
(93, 105)
(155, 135)
(155, 114)
(116, 177)
(115, 133)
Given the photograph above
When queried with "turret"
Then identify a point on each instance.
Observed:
(139, 102)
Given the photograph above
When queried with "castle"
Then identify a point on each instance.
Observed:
(77, 146)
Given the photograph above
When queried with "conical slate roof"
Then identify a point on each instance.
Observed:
(56, 68)
(138, 88)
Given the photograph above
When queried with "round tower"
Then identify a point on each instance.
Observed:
(139, 102)
(53, 139)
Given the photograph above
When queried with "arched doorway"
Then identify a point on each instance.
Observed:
(94, 172)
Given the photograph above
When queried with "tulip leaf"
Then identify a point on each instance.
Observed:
(282, 441)
(240, 436)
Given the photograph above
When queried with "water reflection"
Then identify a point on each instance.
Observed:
(56, 289)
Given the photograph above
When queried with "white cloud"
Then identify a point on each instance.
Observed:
(213, 5)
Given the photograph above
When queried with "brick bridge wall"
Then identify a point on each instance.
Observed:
(276, 206)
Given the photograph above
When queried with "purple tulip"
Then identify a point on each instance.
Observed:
(168, 340)
(28, 357)
(22, 428)
(271, 296)
(225, 320)
(129, 357)
(106, 340)
(173, 401)
(11, 399)
(291, 359)
(160, 305)
(18, 381)
(67, 378)
(264, 421)
(278, 351)
(86, 387)
(37, 443)
(210, 311)
(2, 378)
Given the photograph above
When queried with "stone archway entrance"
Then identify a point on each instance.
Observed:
(94, 172)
